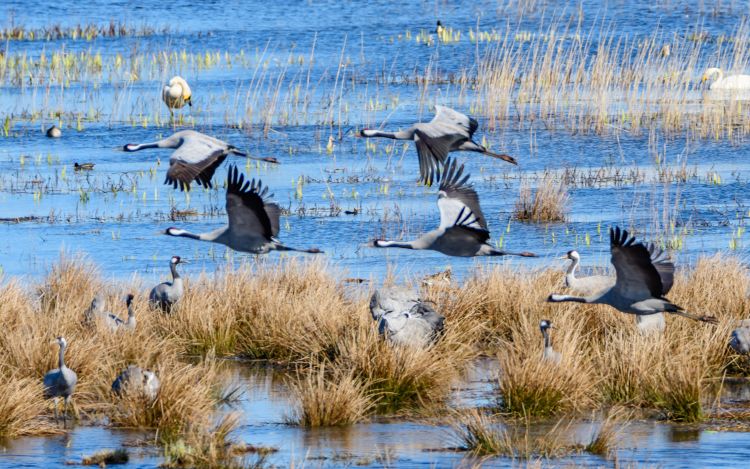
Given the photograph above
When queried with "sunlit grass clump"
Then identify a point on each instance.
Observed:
(548, 203)
(329, 399)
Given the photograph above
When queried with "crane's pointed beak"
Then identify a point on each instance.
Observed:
(563, 257)
(183, 261)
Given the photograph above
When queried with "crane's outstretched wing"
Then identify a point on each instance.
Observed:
(246, 208)
(181, 173)
(663, 264)
(432, 149)
(637, 277)
(446, 115)
(196, 158)
(458, 201)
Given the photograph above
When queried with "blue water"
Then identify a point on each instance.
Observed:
(278, 81)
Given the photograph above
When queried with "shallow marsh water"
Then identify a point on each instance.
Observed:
(266, 403)
(112, 214)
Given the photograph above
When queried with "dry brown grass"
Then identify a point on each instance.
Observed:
(532, 386)
(547, 204)
(329, 399)
(296, 313)
(485, 435)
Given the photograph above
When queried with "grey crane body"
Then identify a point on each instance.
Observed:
(196, 157)
(740, 341)
(134, 379)
(549, 353)
(596, 284)
(94, 311)
(253, 221)
(60, 382)
(585, 285)
(404, 319)
(389, 299)
(166, 294)
(463, 230)
(448, 131)
(115, 323)
(644, 274)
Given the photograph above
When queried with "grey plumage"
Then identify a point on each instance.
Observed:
(644, 274)
(253, 221)
(166, 294)
(740, 341)
(594, 284)
(94, 311)
(549, 353)
(389, 299)
(60, 382)
(463, 230)
(404, 319)
(448, 131)
(115, 323)
(195, 158)
(134, 379)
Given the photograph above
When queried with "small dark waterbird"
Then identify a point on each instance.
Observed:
(463, 230)
(253, 221)
(644, 274)
(448, 131)
(83, 166)
(196, 157)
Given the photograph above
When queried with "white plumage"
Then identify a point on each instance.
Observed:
(176, 94)
(720, 82)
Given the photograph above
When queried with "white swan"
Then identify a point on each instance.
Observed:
(719, 82)
(176, 94)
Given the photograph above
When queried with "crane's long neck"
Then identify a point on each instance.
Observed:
(173, 268)
(407, 134)
(554, 298)
(213, 236)
(570, 274)
(396, 244)
(61, 357)
(169, 142)
(547, 338)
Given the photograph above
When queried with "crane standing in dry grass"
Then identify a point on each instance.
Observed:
(166, 294)
(60, 382)
(644, 276)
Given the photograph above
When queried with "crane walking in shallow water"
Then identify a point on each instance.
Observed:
(448, 131)
(195, 158)
(643, 276)
(166, 294)
(253, 221)
(463, 230)
(60, 382)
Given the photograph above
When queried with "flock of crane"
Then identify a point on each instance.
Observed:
(643, 272)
